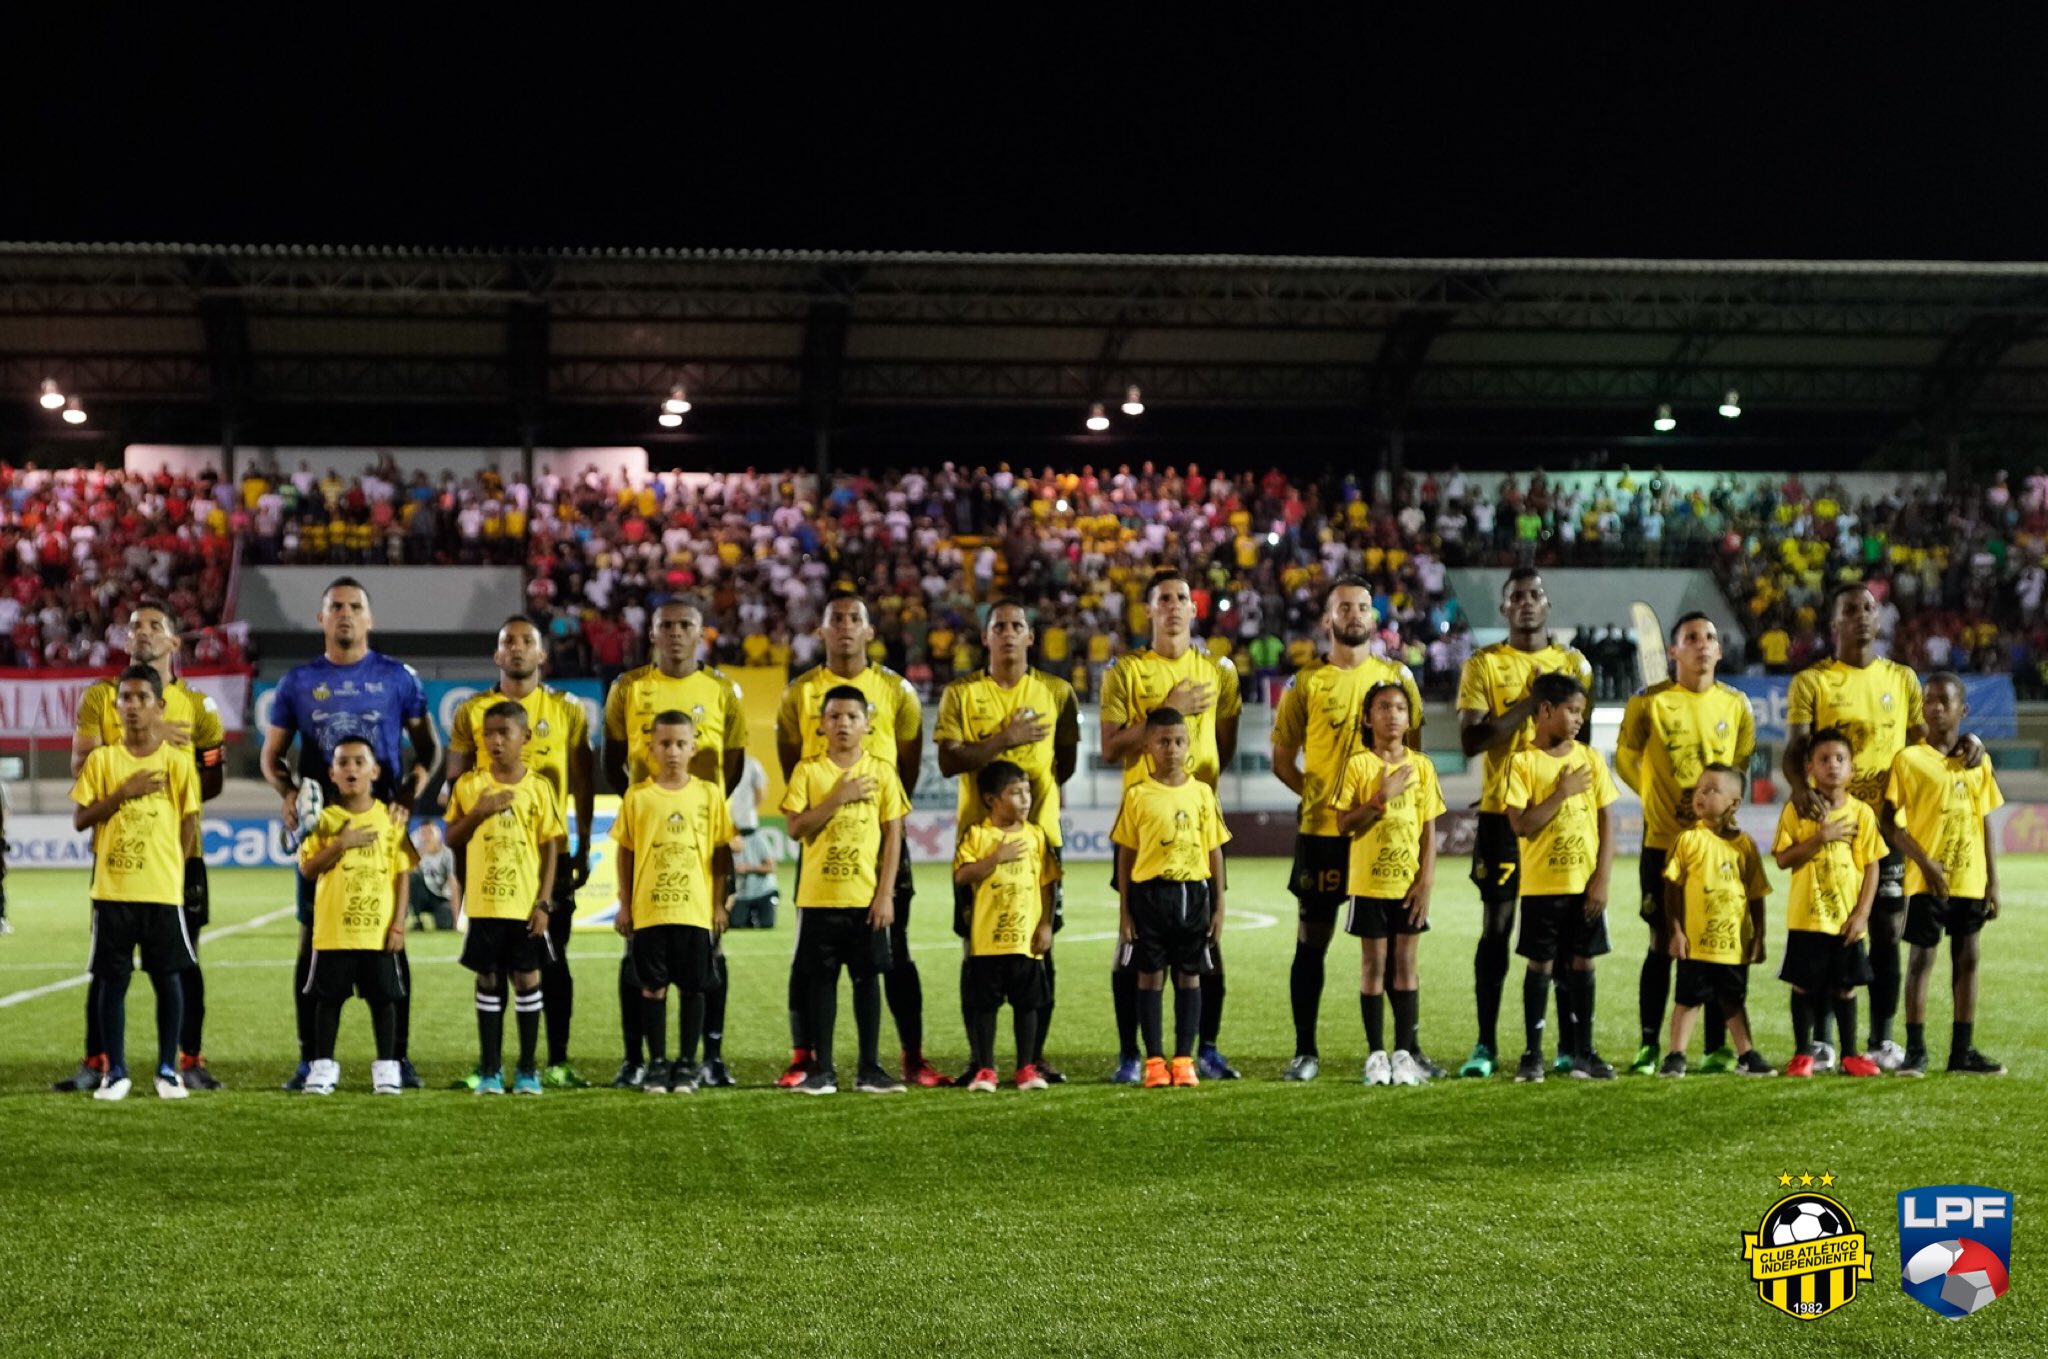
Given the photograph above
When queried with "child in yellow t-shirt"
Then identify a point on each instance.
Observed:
(1010, 868)
(1714, 890)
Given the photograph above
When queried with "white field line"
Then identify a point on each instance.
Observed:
(205, 936)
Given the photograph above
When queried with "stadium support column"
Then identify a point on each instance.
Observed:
(226, 324)
(825, 327)
(526, 347)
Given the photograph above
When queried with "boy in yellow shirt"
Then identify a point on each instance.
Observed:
(1009, 866)
(1714, 890)
(1169, 840)
(359, 857)
(1388, 802)
(1557, 800)
(1941, 808)
(506, 822)
(846, 807)
(674, 834)
(1827, 910)
(140, 799)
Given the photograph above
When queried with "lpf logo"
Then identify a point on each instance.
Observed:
(1956, 1241)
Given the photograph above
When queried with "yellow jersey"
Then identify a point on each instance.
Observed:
(1387, 857)
(1943, 806)
(1140, 682)
(138, 853)
(894, 712)
(1721, 875)
(1873, 705)
(1008, 903)
(1826, 887)
(707, 694)
(976, 707)
(356, 899)
(842, 863)
(196, 712)
(1495, 679)
(1170, 829)
(673, 834)
(1321, 714)
(501, 862)
(555, 726)
(1668, 735)
(1559, 860)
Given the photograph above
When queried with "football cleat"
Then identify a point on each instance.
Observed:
(1156, 1075)
(322, 1077)
(1886, 1055)
(1823, 1056)
(168, 1086)
(526, 1081)
(1673, 1065)
(872, 1080)
(562, 1076)
(1974, 1063)
(1856, 1064)
(799, 1067)
(1480, 1063)
(384, 1079)
(1184, 1071)
(1645, 1063)
(1129, 1071)
(1800, 1066)
(490, 1083)
(984, 1081)
(1754, 1063)
(193, 1071)
(1429, 1065)
(1048, 1074)
(87, 1078)
(921, 1072)
(1302, 1067)
(683, 1078)
(656, 1079)
(1406, 1070)
(1378, 1070)
(113, 1086)
(1529, 1071)
(407, 1077)
(1030, 1078)
(823, 1081)
(630, 1075)
(1718, 1062)
(1915, 1065)
(715, 1073)
(1591, 1066)
(298, 1078)
(1213, 1065)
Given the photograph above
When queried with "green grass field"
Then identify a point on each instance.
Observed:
(1467, 1218)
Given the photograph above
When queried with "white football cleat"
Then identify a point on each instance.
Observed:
(1888, 1055)
(112, 1088)
(385, 1079)
(168, 1086)
(1378, 1071)
(1406, 1070)
(325, 1075)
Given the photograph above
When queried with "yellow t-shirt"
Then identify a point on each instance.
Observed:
(501, 863)
(355, 900)
(1873, 706)
(1668, 735)
(138, 853)
(894, 712)
(673, 834)
(1722, 875)
(841, 864)
(1776, 646)
(1495, 679)
(976, 707)
(1943, 806)
(98, 713)
(1170, 830)
(1386, 858)
(1559, 860)
(1825, 888)
(1321, 713)
(1009, 902)
(707, 694)
(555, 726)
(1140, 682)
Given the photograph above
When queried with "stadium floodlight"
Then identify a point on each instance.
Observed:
(668, 419)
(1134, 401)
(1060, 505)
(1664, 423)
(74, 414)
(1098, 421)
(1731, 404)
(51, 398)
(677, 403)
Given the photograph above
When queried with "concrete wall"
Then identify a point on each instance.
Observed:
(408, 599)
(1580, 597)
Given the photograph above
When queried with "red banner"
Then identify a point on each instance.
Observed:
(44, 703)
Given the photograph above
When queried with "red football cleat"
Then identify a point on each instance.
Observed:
(1029, 1078)
(799, 1067)
(1856, 1064)
(984, 1081)
(921, 1072)
(1801, 1065)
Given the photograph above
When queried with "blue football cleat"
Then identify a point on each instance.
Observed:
(1213, 1065)
(1129, 1071)
(298, 1080)
(492, 1084)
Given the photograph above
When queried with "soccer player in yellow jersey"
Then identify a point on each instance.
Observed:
(140, 799)
(1169, 840)
(505, 821)
(1320, 724)
(1940, 810)
(894, 733)
(191, 723)
(558, 750)
(1388, 802)
(1557, 800)
(359, 856)
(1032, 720)
(1834, 861)
(675, 835)
(1495, 708)
(846, 805)
(1010, 868)
(1171, 673)
(1669, 733)
(1714, 892)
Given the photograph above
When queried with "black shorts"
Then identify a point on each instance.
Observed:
(1823, 963)
(198, 900)
(1650, 877)
(1496, 859)
(1699, 983)
(336, 974)
(1556, 927)
(119, 928)
(1929, 917)
(831, 937)
(1321, 864)
(1891, 880)
(499, 947)
(1379, 918)
(1172, 922)
(672, 955)
(997, 977)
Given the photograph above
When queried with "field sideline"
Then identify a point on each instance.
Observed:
(1249, 1218)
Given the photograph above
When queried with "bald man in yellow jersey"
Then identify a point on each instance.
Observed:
(1173, 672)
(1494, 711)
(895, 733)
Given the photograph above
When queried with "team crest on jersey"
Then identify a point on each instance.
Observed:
(1721, 727)
(540, 728)
(1885, 700)
(1806, 1255)
(674, 823)
(321, 693)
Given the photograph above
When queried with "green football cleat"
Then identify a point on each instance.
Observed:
(1561, 1065)
(1720, 1061)
(469, 1082)
(1480, 1063)
(1645, 1063)
(562, 1076)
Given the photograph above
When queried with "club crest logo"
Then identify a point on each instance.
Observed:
(1955, 1242)
(1806, 1255)
(321, 693)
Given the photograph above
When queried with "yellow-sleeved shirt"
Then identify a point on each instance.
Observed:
(842, 863)
(707, 694)
(1825, 888)
(976, 707)
(501, 862)
(1386, 858)
(555, 726)
(1721, 876)
(138, 853)
(1495, 679)
(894, 712)
(1169, 829)
(1668, 735)
(1872, 705)
(355, 900)
(1559, 859)
(673, 834)
(1321, 714)
(1943, 806)
(99, 714)
(1140, 682)
(1009, 902)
